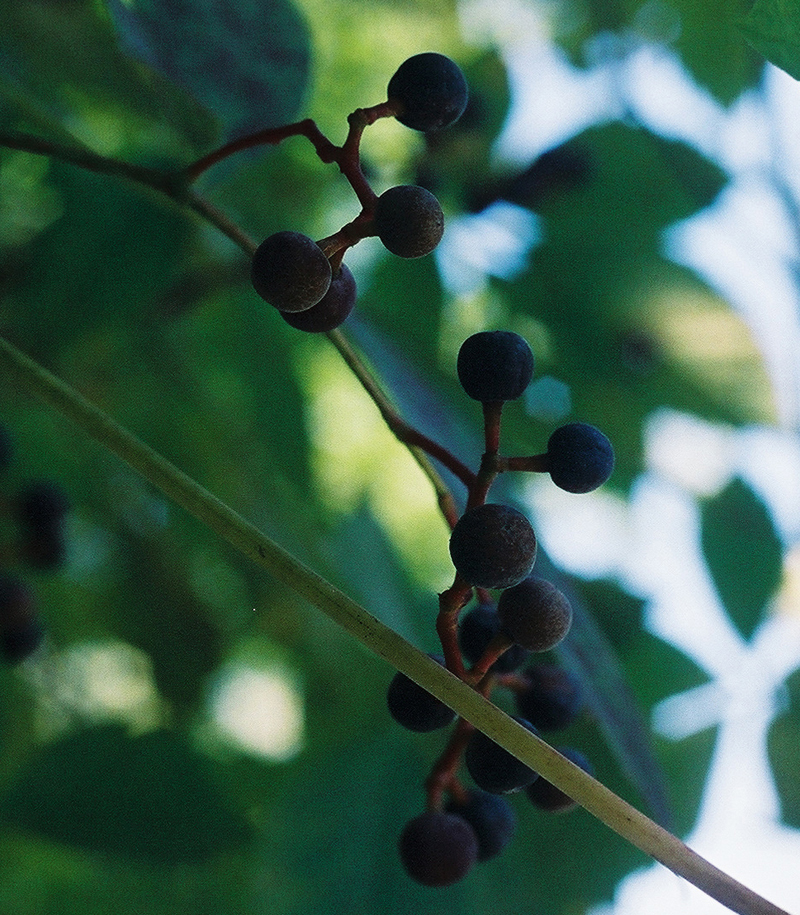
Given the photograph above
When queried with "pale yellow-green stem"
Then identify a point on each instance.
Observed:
(612, 810)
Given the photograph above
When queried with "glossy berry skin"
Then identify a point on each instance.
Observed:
(492, 818)
(553, 698)
(437, 848)
(494, 769)
(476, 629)
(493, 546)
(494, 365)
(331, 310)
(546, 796)
(290, 271)
(535, 614)
(580, 458)
(414, 707)
(409, 220)
(432, 91)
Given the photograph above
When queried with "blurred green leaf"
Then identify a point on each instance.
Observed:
(246, 60)
(783, 740)
(149, 798)
(588, 653)
(773, 29)
(744, 553)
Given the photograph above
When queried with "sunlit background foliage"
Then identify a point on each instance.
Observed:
(194, 738)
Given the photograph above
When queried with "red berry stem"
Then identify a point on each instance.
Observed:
(494, 650)
(443, 777)
(270, 136)
(451, 602)
(492, 413)
(537, 463)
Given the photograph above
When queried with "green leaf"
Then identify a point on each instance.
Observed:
(773, 28)
(783, 740)
(589, 654)
(743, 552)
(148, 798)
(246, 60)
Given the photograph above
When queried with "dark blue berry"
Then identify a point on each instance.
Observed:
(494, 365)
(580, 457)
(437, 848)
(414, 707)
(332, 308)
(535, 614)
(492, 818)
(290, 271)
(494, 769)
(409, 220)
(432, 91)
(20, 629)
(546, 796)
(493, 546)
(552, 699)
(476, 629)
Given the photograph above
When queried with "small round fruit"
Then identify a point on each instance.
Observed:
(290, 271)
(553, 698)
(494, 365)
(493, 546)
(414, 707)
(476, 629)
(332, 308)
(437, 848)
(494, 769)
(546, 796)
(432, 91)
(492, 818)
(580, 457)
(409, 220)
(535, 614)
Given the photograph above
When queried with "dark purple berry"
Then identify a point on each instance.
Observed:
(41, 504)
(409, 220)
(535, 614)
(546, 796)
(332, 308)
(494, 365)
(494, 769)
(290, 271)
(17, 602)
(21, 641)
(580, 457)
(492, 818)
(476, 629)
(414, 707)
(493, 546)
(432, 91)
(552, 699)
(437, 848)
(20, 629)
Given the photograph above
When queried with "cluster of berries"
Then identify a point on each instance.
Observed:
(38, 511)
(307, 281)
(493, 548)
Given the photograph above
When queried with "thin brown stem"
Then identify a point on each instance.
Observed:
(536, 463)
(443, 774)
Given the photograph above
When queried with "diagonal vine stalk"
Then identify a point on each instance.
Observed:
(467, 702)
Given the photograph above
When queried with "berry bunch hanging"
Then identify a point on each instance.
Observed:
(486, 638)
(306, 280)
(493, 546)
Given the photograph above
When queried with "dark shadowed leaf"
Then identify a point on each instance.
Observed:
(148, 798)
(782, 742)
(773, 29)
(247, 61)
(743, 552)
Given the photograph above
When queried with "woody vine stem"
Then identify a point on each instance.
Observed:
(466, 701)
